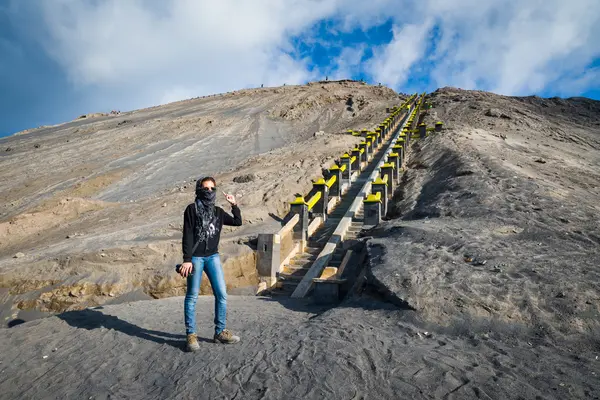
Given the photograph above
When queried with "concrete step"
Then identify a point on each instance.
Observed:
(291, 277)
(325, 229)
(338, 213)
(300, 264)
(304, 257)
(291, 270)
(283, 288)
(334, 263)
(321, 239)
(328, 225)
(288, 285)
(313, 250)
(336, 257)
(281, 293)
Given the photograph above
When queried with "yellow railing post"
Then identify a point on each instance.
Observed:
(299, 207)
(372, 212)
(336, 188)
(320, 206)
(380, 186)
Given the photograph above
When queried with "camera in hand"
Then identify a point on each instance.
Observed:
(178, 268)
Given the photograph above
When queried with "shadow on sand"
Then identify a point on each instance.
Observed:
(93, 319)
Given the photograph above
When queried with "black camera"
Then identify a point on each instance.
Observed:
(178, 267)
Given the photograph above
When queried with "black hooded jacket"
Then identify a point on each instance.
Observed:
(209, 246)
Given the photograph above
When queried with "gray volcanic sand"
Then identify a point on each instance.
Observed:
(483, 282)
(498, 228)
(361, 350)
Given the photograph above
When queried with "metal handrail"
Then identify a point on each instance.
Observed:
(331, 181)
(313, 200)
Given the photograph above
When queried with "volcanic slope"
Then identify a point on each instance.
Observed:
(95, 205)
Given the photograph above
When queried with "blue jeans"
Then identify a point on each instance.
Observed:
(212, 266)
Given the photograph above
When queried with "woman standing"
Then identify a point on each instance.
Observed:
(202, 224)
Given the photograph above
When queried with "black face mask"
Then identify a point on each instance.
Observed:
(207, 197)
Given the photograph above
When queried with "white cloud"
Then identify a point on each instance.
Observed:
(145, 52)
(348, 63)
(391, 64)
(512, 47)
(176, 47)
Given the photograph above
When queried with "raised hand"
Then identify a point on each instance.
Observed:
(230, 198)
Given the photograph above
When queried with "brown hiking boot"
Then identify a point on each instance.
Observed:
(192, 342)
(226, 337)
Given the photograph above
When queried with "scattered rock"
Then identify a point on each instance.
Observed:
(8, 149)
(19, 255)
(319, 133)
(37, 146)
(560, 295)
(125, 121)
(102, 255)
(164, 204)
(541, 161)
(495, 113)
(244, 178)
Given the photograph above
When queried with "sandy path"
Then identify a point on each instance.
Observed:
(364, 349)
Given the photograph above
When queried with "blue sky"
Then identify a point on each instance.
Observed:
(63, 58)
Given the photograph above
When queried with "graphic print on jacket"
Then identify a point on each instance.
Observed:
(208, 229)
(206, 224)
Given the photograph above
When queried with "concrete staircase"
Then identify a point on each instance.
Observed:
(293, 272)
